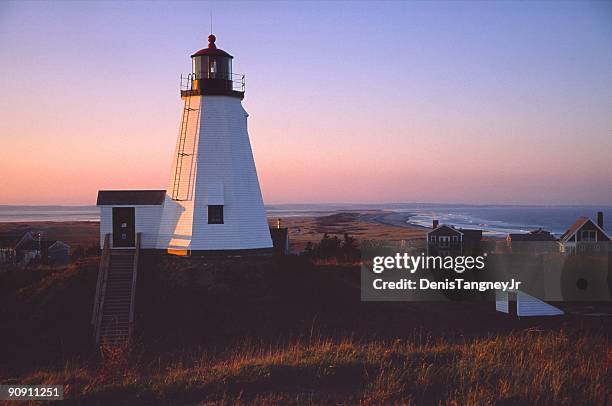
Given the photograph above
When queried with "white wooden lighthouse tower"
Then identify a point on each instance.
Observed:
(213, 201)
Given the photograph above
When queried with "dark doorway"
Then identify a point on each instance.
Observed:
(124, 227)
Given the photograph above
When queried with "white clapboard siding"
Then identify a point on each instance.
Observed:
(147, 222)
(224, 173)
(176, 224)
(527, 305)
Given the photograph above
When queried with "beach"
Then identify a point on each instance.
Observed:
(363, 225)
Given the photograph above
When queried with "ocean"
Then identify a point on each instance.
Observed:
(493, 219)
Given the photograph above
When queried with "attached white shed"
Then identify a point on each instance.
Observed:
(124, 213)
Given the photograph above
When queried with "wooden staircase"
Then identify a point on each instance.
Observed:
(113, 317)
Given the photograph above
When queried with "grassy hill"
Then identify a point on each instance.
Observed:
(270, 330)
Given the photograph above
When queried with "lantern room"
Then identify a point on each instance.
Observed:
(212, 73)
(212, 62)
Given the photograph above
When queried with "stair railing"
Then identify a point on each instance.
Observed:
(101, 287)
(134, 279)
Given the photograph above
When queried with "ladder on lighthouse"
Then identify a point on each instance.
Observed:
(183, 152)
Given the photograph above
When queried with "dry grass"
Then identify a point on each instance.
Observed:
(526, 367)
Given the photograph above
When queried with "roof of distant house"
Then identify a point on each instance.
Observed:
(445, 229)
(130, 197)
(470, 233)
(31, 245)
(534, 235)
(577, 226)
(33, 241)
(574, 227)
(59, 245)
(466, 232)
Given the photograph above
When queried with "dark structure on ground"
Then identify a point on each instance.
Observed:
(280, 240)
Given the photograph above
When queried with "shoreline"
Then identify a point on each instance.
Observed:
(397, 219)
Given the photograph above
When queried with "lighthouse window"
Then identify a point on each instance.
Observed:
(215, 214)
(213, 68)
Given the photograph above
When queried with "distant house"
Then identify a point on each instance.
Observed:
(28, 248)
(586, 236)
(34, 246)
(448, 240)
(8, 254)
(58, 252)
(534, 241)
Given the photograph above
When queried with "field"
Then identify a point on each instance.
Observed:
(287, 330)
(527, 367)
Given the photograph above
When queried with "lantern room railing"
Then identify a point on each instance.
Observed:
(236, 81)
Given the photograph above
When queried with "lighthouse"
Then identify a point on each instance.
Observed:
(213, 200)
(212, 204)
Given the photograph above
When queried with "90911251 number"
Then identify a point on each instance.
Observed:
(31, 392)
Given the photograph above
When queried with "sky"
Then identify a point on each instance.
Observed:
(354, 102)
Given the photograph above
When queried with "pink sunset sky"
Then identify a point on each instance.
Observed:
(348, 102)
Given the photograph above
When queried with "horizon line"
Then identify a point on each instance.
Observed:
(360, 203)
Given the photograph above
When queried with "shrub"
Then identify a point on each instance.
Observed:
(334, 249)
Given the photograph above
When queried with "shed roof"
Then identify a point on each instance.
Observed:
(444, 230)
(130, 197)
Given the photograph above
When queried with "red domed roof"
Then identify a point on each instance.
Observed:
(212, 49)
